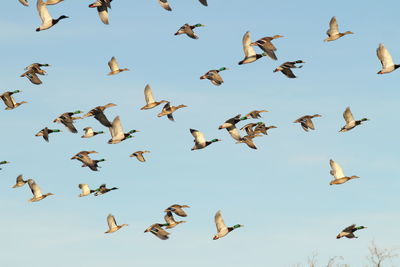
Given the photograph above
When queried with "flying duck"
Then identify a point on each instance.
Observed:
(286, 67)
(67, 120)
(83, 157)
(90, 133)
(150, 102)
(177, 209)
(266, 45)
(188, 30)
(85, 190)
(333, 31)
(117, 132)
(20, 181)
(103, 189)
(157, 230)
(168, 110)
(214, 77)
(230, 126)
(45, 133)
(306, 122)
(37, 193)
(249, 52)
(169, 219)
(222, 230)
(102, 9)
(350, 121)
(139, 155)
(9, 100)
(349, 231)
(112, 225)
(98, 113)
(32, 70)
(248, 140)
(199, 140)
(255, 114)
(113, 64)
(337, 173)
(47, 20)
(386, 60)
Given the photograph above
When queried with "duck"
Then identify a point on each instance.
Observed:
(168, 110)
(248, 140)
(306, 122)
(45, 133)
(255, 114)
(112, 224)
(214, 77)
(98, 113)
(19, 181)
(83, 157)
(337, 173)
(286, 67)
(9, 100)
(103, 190)
(139, 155)
(114, 68)
(67, 120)
(150, 102)
(85, 190)
(349, 231)
(117, 132)
(157, 230)
(266, 45)
(350, 121)
(249, 127)
(188, 30)
(249, 52)
(261, 128)
(4, 162)
(222, 229)
(177, 209)
(170, 221)
(386, 60)
(47, 20)
(333, 31)
(32, 70)
(37, 193)
(90, 133)
(102, 8)
(199, 140)
(230, 126)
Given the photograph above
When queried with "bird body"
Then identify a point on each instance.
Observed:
(169, 219)
(157, 230)
(103, 190)
(9, 100)
(98, 113)
(177, 209)
(85, 190)
(168, 110)
(19, 181)
(90, 133)
(83, 157)
(117, 132)
(102, 9)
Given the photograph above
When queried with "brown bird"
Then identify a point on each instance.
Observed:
(45, 133)
(32, 71)
(150, 102)
(337, 173)
(98, 113)
(214, 77)
(261, 128)
(255, 114)
(248, 140)
(333, 31)
(112, 224)
(168, 110)
(113, 64)
(83, 157)
(306, 122)
(37, 193)
(67, 120)
(20, 181)
(139, 155)
(157, 230)
(286, 67)
(188, 30)
(9, 100)
(266, 45)
(177, 209)
(169, 219)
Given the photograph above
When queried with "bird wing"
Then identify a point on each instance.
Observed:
(349, 228)
(233, 131)
(309, 124)
(204, 2)
(99, 115)
(113, 64)
(20, 179)
(148, 94)
(43, 12)
(68, 122)
(116, 130)
(333, 27)
(85, 188)
(219, 222)
(46, 134)
(34, 188)
(24, 2)
(33, 78)
(288, 73)
(247, 48)
(198, 137)
(89, 131)
(165, 4)
(384, 56)
(159, 232)
(169, 218)
(348, 116)
(111, 221)
(266, 45)
(216, 79)
(336, 171)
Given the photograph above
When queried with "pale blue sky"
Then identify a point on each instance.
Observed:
(280, 192)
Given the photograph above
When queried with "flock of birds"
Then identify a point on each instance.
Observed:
(117, 133)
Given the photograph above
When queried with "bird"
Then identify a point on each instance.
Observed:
(47, 20)
(333, 31)
(148, 95)
(9, 100)
(386, 60)
(349, 231)
(37, 193)
(213, 76)
(222, 230)
(102, 8)
(83, 157)
(24, 2)
(67, 120)
(112, 224)
(117, 132)
(19, 182)
(250, 54)
(4, 162)
(157, 230)
(85, 190)
(45, 133)
(286, 67)
(337, 173)
(103, 189)
(90, 133)
(350, 121)
(248, 140)
(230, 126)
(139, 155)
(188, 30)
(98, 113)
(306, 122)
(199, 140)
(32, 70)
(168, 110)
(261, 128)
(169, 219)
(266, 45)
(113, 64)
(177, 209)
(255, 114)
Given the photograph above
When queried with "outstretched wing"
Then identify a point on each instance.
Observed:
(247, 48)
(384, 56)
(219, 222)
(111, 221)
(336, 171)
(333, 27)
(348, 116)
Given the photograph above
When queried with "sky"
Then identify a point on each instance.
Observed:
(280, 191)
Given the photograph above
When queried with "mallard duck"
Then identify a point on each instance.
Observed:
(45, 133)
(113, 64)
(24, 2)
(250, 54)
(20, 181)
(168, 110)
(350, 122)
(112, 224)
(222, 230)
(90, 133)
(230, 126)
(349, 231)
(261, 128)
(85, 190)
(266, 45)
(4, 162)
(214, 77)
(67, 120)
(117, 132)
(177, 209)
(255, 114)
(37, 193)
(148, 95)
(199, 140)
(83, 157)
(188, 30)
(98, 113)
(286, 67)
(9, 100)
(47, 20)
(102, 9)
(32, 70)
(249, 127)
(157, 230)
(333, 31)
(248, 140)
(337, 173)
(169, 219)
(306, 122)
(103, 189)
(139, 155)
(386, 60)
